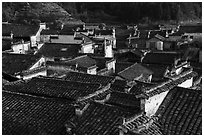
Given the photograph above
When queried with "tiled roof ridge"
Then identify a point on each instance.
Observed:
(103, 100)
(97, 98)
(101, 90)
(127, 68)
(20, 81)
(84, 35)
(58, 79)
(24, 94)
(93, 75)
(140, 123)
(32, 71)
(148, 92)
(61, 43)
(131, 119)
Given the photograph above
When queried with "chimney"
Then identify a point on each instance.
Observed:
(84, 27)
(113, 29)
(11, 35)
(83, 40)
(79, 109)
(76, 65)
(130, 39)
(167, 34)
(22, 41)
(148, 36)
(74, 34)
(122, 129)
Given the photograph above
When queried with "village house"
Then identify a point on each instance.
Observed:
(180, 123)
(7, 44)
(26, 32)
(132, 56)
(83, 64)
(170, 28)
(64, 37)
(106, 65)
(136, 72)
(105, 41)
(110, 118)
(23, 66)
(155, 43)
(60, 51)
(154, 95)
(138, 39)
(192, 31)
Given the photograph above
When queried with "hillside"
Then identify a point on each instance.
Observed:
(34, 12)
(126, 12)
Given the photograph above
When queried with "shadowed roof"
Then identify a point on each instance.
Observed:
(28, 115)
(14, 63)
(181, 112)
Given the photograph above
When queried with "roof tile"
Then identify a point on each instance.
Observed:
(23, 115)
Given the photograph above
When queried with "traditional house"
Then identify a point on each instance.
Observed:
(103, 46)
(105, 41)
(131, 56)
(83, 64)
(163, 58)
(26, 32)
(56, 51)
(105, 117)
(154, 95)
(192, 31)
(170, 60)
(171, 113)
(136, 72)
(170, 28)
(138, 39)
(155, 43)
(23, 66)
(21, 47)
(106, 66)
(159, 72)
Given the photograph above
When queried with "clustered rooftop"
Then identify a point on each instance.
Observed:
(78, 81)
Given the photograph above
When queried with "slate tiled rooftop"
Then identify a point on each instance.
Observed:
(181, 112)
(57, 88)
(124, 100)
(100, 119)
(142, 125)
(23, 114)
(82, 77)
(14, 63)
